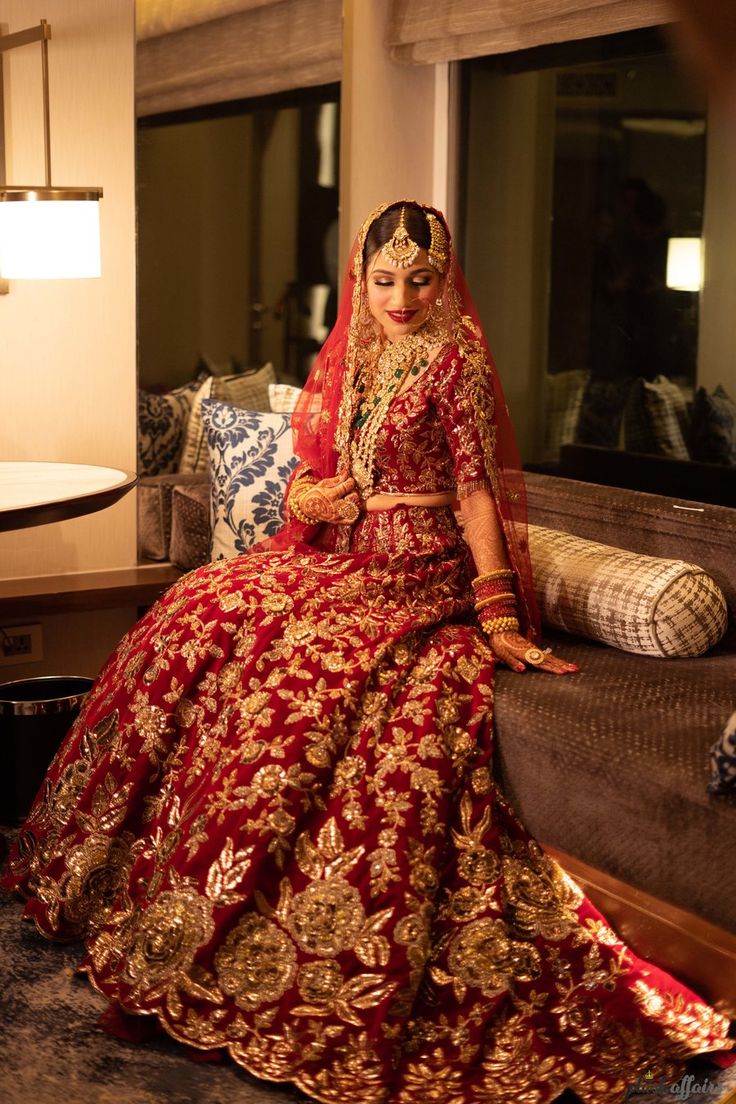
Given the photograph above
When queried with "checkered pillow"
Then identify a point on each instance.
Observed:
(723, 760)
(249, 391)
(656, 419)
(636, 603)
(251, 457)
(564, 396)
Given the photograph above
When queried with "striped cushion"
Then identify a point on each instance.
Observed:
(638, 603)
(283, 397)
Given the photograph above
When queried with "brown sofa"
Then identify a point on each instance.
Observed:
(609, 768)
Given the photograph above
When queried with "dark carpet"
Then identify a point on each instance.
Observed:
(51, 1049)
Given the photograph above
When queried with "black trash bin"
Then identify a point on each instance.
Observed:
(35, 715)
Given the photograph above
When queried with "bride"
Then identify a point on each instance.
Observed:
(275, 823)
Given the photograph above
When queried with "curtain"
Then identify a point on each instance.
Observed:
(265, 46)
(157, 17)
(422, 32)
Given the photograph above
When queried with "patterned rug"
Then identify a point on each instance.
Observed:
(53, 1051)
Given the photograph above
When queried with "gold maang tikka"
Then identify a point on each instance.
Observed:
(401, 250)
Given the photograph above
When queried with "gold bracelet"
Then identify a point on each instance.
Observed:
(502, 572)
(500, 624)
(297, 513)
(301, 484)
(495, 598)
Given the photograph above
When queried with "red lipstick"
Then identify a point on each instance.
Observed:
(401, 316)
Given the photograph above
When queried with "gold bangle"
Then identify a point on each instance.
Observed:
(301, 484)
(495, 598)
(297, 513)
(502, 572)
(500, 624)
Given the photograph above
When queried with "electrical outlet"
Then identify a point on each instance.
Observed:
(20, 644)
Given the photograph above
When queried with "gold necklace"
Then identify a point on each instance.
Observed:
(375, 391)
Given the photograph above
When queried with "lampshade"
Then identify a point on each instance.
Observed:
(46, 232)
(685, 264)
(49, 233)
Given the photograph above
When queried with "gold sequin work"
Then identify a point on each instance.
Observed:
(276, 827)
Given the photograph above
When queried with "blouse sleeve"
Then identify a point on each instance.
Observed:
(464, 400)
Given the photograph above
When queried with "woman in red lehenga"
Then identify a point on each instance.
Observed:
(274, 822)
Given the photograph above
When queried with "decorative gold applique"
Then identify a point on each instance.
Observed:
(256, 964)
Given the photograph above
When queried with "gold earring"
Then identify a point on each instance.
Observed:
(437, 252)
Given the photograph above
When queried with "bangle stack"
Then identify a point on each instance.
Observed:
(495, 601)
(299, 488)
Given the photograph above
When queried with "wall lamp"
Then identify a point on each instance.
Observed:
(46, 232)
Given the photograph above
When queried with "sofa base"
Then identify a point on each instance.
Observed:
(698, 953)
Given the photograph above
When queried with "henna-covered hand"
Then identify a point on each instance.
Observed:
(333, 500)
(517, 652)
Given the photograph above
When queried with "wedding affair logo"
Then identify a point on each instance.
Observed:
(689, 1086)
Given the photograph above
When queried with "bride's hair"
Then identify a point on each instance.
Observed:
(382, 230)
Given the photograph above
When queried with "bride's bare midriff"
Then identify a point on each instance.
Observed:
(388, 501)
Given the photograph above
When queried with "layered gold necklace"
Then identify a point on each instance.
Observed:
(376, 387)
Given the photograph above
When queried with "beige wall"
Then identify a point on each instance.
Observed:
(67, 347)
(393, 141)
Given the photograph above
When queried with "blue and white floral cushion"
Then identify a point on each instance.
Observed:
(250, 460)
(723, 760)
(162, 422)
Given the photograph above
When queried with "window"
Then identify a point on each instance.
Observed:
(595, 183)
(237, 236)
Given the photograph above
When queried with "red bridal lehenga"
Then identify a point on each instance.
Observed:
(276, 828)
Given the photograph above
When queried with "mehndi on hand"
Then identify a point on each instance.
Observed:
(495, 606)
(333, 500)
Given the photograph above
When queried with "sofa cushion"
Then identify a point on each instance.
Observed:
(714, 427)
(611, 765)
(638, 603)
(563, 399)
(162, 423)
(656, 418)
(283, 397)
(155, 512)
(249, 391)
(652, 524)
(250, 460)
(190, 524)
(723, 760)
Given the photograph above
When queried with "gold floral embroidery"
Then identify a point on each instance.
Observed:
(484, 956)
(164, 938)
(97, 874)
(307, 777)
(539, 898)
(257, 962)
